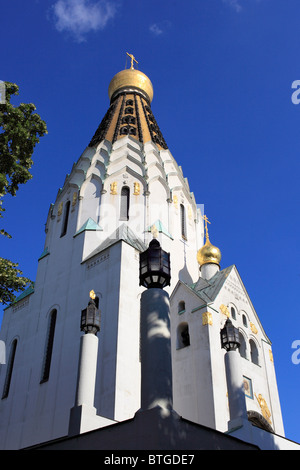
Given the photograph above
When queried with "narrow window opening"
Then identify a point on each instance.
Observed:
(233, 314)
(49, 347)
(124, 208)
(242, 348)
(253, 352)
(244, 321)
(66, 218)
(9, 371)
(183, 222)
(181, 307)
(183, 336)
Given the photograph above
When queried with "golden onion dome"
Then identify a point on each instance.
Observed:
(131, 79)
(209, 254)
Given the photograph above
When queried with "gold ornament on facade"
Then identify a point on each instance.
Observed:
(271, 355)
(113, 188)
(175, 201)
(264, 407)
(253, 328)
(92, 295)
(60, 209)
(136, 189)
(207, 318)
(154, 231)
(74, 199)
(224, 310)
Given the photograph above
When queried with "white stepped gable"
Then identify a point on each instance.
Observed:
(96, 170)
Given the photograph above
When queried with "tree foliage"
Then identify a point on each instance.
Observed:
(20, 131)
(11, 281)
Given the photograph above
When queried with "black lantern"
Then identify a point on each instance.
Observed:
(155, 266)
(90, 318)
(230, 338)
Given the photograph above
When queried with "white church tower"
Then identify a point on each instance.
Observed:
(126, 187)
(210, 388)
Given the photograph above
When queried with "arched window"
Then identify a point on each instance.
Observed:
(128, 130)
(132, 131)
(245, 323)
(9, 370)
(243, 347)
(124, 207)
(128, 120)
(49, 347)
(128, 110)
(181, 306)
(124, 130)
(253, 352)
(65, 219)
(183, 336)
(183, 221)
(233, 314)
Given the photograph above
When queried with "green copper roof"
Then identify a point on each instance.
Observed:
(90, 224)
(123, 233)
(208, 290)
(160, 227)
(45, 253)
(25, 293)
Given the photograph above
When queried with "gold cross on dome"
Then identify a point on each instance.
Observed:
(132, 59)
(204, 217)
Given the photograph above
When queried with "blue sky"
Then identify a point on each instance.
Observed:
(222, 72)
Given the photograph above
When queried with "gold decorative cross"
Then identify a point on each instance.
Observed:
(204, 217)
(132, 59)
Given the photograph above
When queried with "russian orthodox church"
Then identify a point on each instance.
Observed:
(125, 190)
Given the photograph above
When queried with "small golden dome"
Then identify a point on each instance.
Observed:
(209, 254)
(131, 78)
